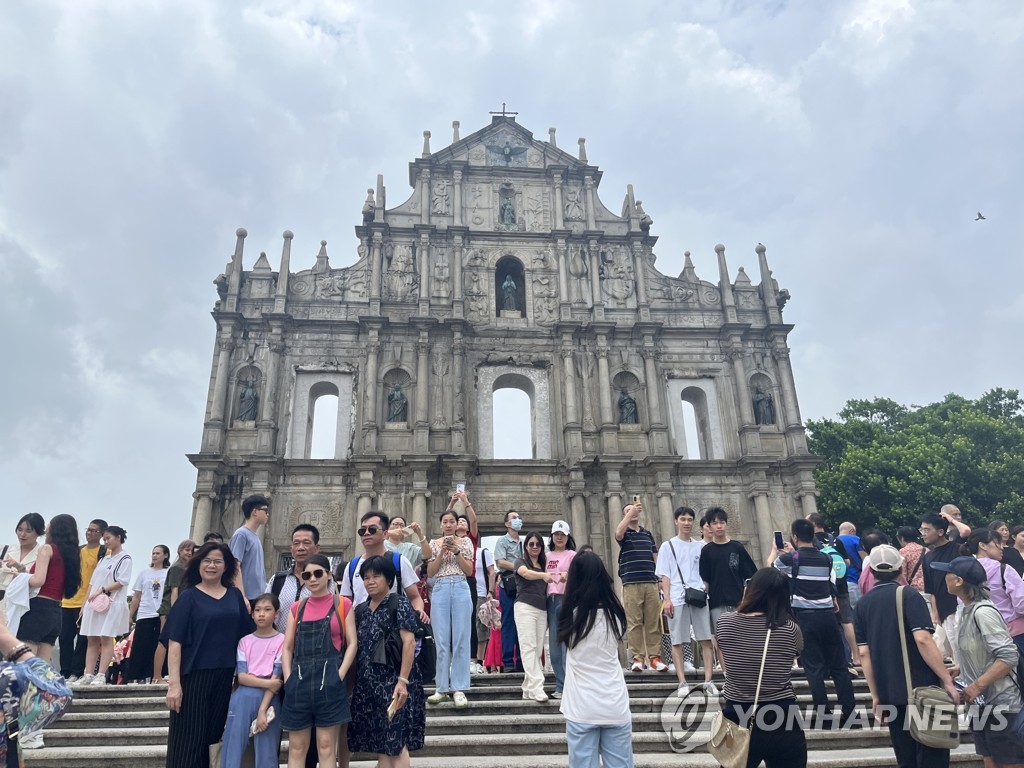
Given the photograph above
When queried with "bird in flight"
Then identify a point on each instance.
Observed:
(979, 217)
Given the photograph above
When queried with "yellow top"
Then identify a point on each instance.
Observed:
(89, 557)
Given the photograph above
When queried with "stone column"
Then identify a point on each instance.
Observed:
(221, 383)
(204, 515)
(808, 504)
(578, 512)
(459, 398)
(364, 504)
(425, 196)
(281, 297)
(422, 418)
(785, 368)
(743, 390)
(595, 279)
(268, 408)
(425, 276)
(604, 384)
(571, 411)
(763, 521)
(376, 258)
(419, 498)
(588, 188)
(665, 520)
(639, 269)
(370, 380)
(653, 383)
(457, 197)
(559, 222)
(614, 518)
(457, 302)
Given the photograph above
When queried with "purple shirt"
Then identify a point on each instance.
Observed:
(1009, 601)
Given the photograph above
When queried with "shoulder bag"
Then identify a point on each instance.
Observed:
(935, 723)
(698, 598)
(730, 742)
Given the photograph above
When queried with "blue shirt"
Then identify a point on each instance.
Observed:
(248, 549)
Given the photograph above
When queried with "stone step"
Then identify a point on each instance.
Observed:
(154, 757)
(530, 738)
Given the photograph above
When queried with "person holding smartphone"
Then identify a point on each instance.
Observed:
(637, 555)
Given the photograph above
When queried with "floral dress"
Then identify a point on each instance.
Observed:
(370, 730)
(39, 694)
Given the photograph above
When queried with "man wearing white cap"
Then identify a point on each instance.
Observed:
(561, 551)
(878, 635)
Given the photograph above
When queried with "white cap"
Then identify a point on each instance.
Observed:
(560, 526)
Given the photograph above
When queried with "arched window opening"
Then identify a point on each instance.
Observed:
(509, 287)
(322, 429)
(513, 425)
(695, 423)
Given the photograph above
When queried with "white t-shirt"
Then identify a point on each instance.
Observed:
(687, 555)
(357, 592)
(595, 688)
(151, 584)
(484, 580)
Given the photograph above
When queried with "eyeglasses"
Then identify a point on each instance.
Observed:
(368, 529)
(316, 573)
(213, 562)
(534, 544)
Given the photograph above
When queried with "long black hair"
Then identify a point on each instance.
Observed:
(588, 589)
(63, 536)
(542, 559)
(768, 593)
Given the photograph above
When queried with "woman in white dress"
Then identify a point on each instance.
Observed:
(112, 576)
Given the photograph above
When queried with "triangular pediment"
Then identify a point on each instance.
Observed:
(504, 144)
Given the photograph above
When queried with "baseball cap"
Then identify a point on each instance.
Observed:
(966, 567)
(885, 558)
(560, 526)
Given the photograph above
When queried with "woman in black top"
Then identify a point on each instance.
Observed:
(531, 612)
(203, 630)
(1011, 556)
(741, 641)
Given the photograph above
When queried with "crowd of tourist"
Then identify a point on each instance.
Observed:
(339, 658)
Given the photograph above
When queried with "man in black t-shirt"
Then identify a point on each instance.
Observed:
(878, 634)
(944, 609)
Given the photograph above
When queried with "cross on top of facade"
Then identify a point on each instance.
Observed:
(504, 112)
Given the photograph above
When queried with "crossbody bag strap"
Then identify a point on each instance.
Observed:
(760, 674)
(917, 567)
(903, 642)
(675, 559)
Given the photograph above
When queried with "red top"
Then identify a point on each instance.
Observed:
(53, 587)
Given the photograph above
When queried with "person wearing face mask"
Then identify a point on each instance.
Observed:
(507, 550)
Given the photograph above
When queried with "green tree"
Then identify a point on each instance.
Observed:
(886, 464)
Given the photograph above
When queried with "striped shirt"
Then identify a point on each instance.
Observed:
(636, 557)
(811, 575)
(741, 640)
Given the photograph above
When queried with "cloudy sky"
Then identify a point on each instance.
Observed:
(856, 139)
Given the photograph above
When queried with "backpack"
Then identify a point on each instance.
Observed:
(396, 558)
(838, 564)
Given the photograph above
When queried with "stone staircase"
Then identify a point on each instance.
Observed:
(126, 726)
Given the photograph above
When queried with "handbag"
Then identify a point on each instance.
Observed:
(730, 742)
(389, 648)
(508, 583)
(698, 598)
(935, 724)
(100, 603)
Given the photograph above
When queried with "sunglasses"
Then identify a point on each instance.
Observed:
(316, 573)
(534, 544)
(368, 529)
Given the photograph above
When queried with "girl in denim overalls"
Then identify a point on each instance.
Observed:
(320, 629)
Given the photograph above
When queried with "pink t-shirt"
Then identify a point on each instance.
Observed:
(260, 654)
(559, 561)
(317, 608)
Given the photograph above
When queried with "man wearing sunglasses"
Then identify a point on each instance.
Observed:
(372, 531)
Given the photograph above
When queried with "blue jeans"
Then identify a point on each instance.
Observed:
(556, 651)
(589, 744)
(510, 656)
(244, 706)
(451, 611)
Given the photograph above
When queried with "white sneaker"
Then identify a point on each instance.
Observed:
(688, 667)
(540, 698)
(638, 666)
(710, 688)
(682, 691)
(70, 679)
(97, 681)
(35, 741)
(461, 702)
(672, 667)
(437, 698)
(83, 681)
(658, 665)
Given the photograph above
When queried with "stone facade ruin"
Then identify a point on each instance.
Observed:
(503, 269)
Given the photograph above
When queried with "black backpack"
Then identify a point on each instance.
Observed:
(426, 657)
